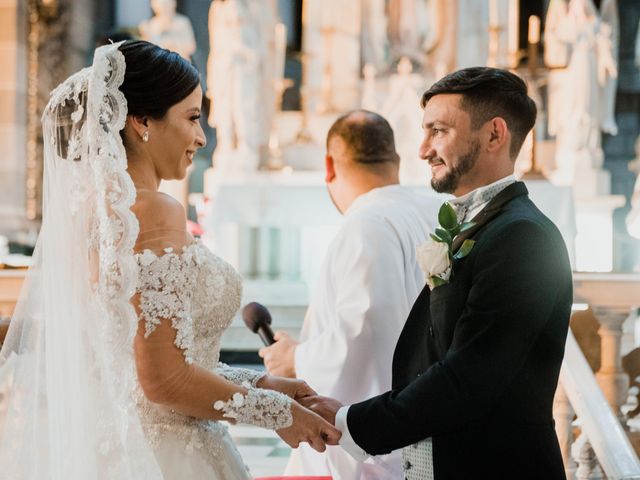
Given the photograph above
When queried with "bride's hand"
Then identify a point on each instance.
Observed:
(309, 427)
(291, 387)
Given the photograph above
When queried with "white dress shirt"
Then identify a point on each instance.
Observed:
(368, 283)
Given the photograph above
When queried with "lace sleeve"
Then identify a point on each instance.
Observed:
(240, 376)
(165, 286)
(259, 407)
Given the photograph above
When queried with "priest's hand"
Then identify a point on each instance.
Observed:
(279, 358)
(326, 407)
(309, 427)
(296, 389)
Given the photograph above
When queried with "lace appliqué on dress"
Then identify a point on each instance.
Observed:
(262, 408)
(197, 291)
(165, 285)
(240, 376)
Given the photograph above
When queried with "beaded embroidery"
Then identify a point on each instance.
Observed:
(197, 291)
(200, 294)
(263, 408)
(239, 376)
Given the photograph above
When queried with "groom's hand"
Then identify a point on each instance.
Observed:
(279, 358)
(309, 427)
(326, 407)
(292, 387)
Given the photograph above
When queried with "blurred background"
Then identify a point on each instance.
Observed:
(276, 74)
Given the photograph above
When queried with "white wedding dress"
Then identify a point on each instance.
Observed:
(71, 406)
(203, 292)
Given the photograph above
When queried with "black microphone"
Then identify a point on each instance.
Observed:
(258, 319)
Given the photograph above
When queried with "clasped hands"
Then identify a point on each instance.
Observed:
(313, 415)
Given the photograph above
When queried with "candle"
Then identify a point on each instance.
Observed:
(494, 19)
(513, 29)
(280, 49)
(534, 29)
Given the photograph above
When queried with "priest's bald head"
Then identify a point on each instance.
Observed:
(361, 155)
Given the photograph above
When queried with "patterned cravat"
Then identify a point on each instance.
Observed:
(472, 202)
(461, 211)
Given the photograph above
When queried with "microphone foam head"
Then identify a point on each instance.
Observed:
(254, 314)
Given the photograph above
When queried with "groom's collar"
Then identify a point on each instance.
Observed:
(492, 209)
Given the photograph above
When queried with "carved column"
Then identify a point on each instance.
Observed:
(13, 97)
(611, 377)
(585, 457)
(563, 414)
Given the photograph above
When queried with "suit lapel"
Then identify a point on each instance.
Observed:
(489, 212)
(410, 357)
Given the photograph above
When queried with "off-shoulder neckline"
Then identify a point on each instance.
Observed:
(170, 250)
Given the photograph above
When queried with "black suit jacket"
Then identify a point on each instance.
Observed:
(477, 363)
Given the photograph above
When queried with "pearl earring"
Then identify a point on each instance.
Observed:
(145, 136)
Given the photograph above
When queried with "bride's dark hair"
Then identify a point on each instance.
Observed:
(155, 78)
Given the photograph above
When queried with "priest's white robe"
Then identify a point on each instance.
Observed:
(368, 283)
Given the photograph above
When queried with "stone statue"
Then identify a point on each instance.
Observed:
(413, 29)
(633, 217)
(579, 44)
(375, 43)
(169, 29)
(399, 108)
(369, 99)
(240, 81)
(637, 47)
(610, 19)
(441, 50)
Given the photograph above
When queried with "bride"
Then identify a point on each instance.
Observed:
(110, 367)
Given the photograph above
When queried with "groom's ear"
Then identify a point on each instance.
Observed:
(498, 134)
(330, 171)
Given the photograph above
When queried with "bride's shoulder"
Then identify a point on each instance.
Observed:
(158, 210)
(162, 220)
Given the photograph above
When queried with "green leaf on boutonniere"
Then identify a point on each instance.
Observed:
(447, 217)
(436, 239)
(437, 281)
(464, 249)
(444, 235)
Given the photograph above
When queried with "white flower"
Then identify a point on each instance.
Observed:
(433, 258)
(238, 399)
(147, 258)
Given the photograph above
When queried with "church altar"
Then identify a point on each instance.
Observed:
(274, 228)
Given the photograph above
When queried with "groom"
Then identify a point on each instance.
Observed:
(477, 363)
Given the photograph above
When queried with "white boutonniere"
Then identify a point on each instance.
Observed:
(435, 257)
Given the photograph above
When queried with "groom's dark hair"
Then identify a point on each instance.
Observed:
(488, 93)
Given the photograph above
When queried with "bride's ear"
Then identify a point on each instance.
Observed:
(139, 124)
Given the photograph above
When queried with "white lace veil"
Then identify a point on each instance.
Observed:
(67, 369)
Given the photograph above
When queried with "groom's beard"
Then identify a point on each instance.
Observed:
(449, 183)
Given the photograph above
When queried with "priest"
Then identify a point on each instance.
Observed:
(369, 280)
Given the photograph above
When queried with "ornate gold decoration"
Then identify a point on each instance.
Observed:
(33, 121)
